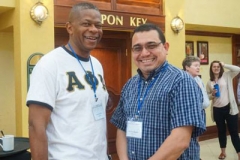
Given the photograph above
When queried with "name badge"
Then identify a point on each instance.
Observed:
(98, 111)
(134, 129)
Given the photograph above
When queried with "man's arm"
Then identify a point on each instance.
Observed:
(121, 143)
(38, 119)
(174, 145)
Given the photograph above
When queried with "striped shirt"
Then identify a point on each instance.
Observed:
(173, 101)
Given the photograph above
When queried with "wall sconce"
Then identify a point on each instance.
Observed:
(39, 13)
(177, 24)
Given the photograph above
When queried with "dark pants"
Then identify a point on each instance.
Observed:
(221, 116)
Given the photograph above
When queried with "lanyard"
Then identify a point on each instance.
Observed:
(141, 100)
(93, 81)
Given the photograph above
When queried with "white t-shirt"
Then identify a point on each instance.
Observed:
(59, 82)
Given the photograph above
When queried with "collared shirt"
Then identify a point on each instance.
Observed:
(173, 101)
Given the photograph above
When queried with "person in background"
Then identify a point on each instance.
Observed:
(224, 107)
(159, 108)
(67, 96)
(238, 89)
(191, 65)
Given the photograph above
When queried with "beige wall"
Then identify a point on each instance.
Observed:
(7, 86)
(213, 12)
(176, 41)
(7, 3)
(29, 37)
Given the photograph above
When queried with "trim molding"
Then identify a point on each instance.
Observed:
(211, 34)
(212, 132)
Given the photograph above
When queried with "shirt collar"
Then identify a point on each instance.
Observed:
(154, 72)
(81, 58)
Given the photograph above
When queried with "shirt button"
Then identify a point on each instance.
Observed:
(140, 99)
(133, 152)
(145, 82)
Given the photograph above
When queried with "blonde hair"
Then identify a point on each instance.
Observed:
(188, 61)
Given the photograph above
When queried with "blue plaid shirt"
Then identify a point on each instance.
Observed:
(173, 101)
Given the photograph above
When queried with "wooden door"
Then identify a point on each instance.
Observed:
(113, 52)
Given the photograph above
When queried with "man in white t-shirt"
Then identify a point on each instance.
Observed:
(67, 97)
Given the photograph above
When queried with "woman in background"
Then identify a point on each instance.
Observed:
(224, 107)
(191, 65)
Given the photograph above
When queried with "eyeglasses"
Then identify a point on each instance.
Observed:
(148, 46)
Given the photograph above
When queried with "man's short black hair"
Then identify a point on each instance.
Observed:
(79, 7)
(149, 27)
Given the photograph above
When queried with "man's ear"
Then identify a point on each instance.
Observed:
(166, 46)
(69, 28)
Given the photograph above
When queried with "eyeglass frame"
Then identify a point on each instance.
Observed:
(147, 46)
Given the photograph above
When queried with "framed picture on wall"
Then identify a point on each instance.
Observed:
(189, 48)
(202, 51)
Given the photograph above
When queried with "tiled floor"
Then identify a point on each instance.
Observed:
(210, 150)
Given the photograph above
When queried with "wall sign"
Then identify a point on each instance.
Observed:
(128, 21)
(113, 20)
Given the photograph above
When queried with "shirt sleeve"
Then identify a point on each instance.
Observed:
(206, 101)
(43, 83)
(118, 118)
(187, 106)
(233, 70)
